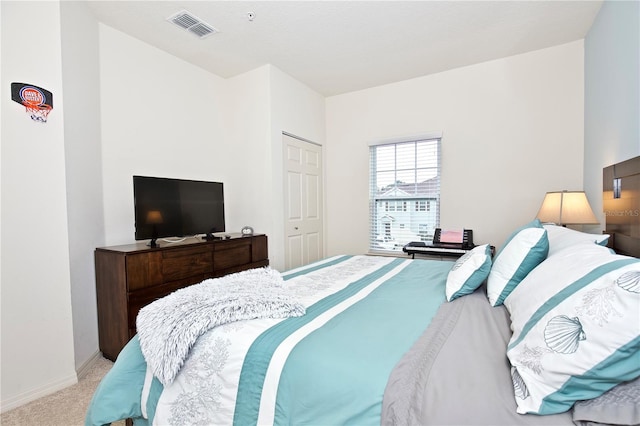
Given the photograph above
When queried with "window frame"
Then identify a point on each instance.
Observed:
(409, 203)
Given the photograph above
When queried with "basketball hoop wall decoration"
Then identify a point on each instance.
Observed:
(37, 101)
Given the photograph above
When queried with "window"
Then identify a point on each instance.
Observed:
(404, 192)
(423, 231)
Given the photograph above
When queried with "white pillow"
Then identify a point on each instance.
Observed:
(576, 328)
(469, 272)
(524, 250)
(561, 237)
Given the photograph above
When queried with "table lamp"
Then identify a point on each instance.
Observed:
(567, 208)
(154, 218)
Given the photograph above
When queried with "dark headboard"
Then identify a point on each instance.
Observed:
(621, 205)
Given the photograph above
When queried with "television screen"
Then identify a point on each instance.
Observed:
(176, 208)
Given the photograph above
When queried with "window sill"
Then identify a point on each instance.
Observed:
(386, 253)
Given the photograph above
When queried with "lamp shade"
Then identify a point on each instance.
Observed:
(154, 217)
(567, 208)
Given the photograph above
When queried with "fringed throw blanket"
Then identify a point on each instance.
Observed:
(169, 327)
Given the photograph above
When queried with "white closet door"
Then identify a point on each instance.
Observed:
(303, 202)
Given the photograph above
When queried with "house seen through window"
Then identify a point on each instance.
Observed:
(404, 200)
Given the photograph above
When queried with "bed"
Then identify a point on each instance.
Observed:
(546, 332)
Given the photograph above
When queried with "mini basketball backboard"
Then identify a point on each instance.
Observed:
(37, 101)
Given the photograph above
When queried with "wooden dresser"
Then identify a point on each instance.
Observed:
(129, 277)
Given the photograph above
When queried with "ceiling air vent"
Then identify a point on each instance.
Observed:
(189, 22)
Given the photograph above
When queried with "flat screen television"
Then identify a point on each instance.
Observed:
(166, 207)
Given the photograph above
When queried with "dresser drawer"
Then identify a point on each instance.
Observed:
(139, 299)
(232, 253)
(143, 270)
(184, 263)
(151, 269)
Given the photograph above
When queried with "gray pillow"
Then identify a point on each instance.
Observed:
(618, 406)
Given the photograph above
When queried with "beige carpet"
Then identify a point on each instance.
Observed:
(66, 407)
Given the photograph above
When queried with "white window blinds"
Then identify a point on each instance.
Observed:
(404, 197)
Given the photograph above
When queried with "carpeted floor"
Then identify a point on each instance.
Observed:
(66, 407)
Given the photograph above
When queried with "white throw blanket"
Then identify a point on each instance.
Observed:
(169, 327)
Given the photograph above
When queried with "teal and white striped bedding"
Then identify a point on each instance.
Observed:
(329, 366)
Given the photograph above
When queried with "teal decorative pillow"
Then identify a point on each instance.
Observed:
(525, 248)
(576, 328)
(469, 272)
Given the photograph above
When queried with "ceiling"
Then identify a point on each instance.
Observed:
(336, 47)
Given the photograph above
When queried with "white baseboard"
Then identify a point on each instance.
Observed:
(32, 395)
(84, 368)
(48, 389)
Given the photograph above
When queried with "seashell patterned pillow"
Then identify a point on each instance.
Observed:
(576, 328)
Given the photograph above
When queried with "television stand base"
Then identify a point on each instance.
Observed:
(210, 237)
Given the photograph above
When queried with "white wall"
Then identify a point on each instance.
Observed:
(81, 82)
(247, 198)
(512, 130)
(160, 116)
(612, 93)
(37, 330)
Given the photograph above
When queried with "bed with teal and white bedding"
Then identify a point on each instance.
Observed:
(545, 332)
(362, 314)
